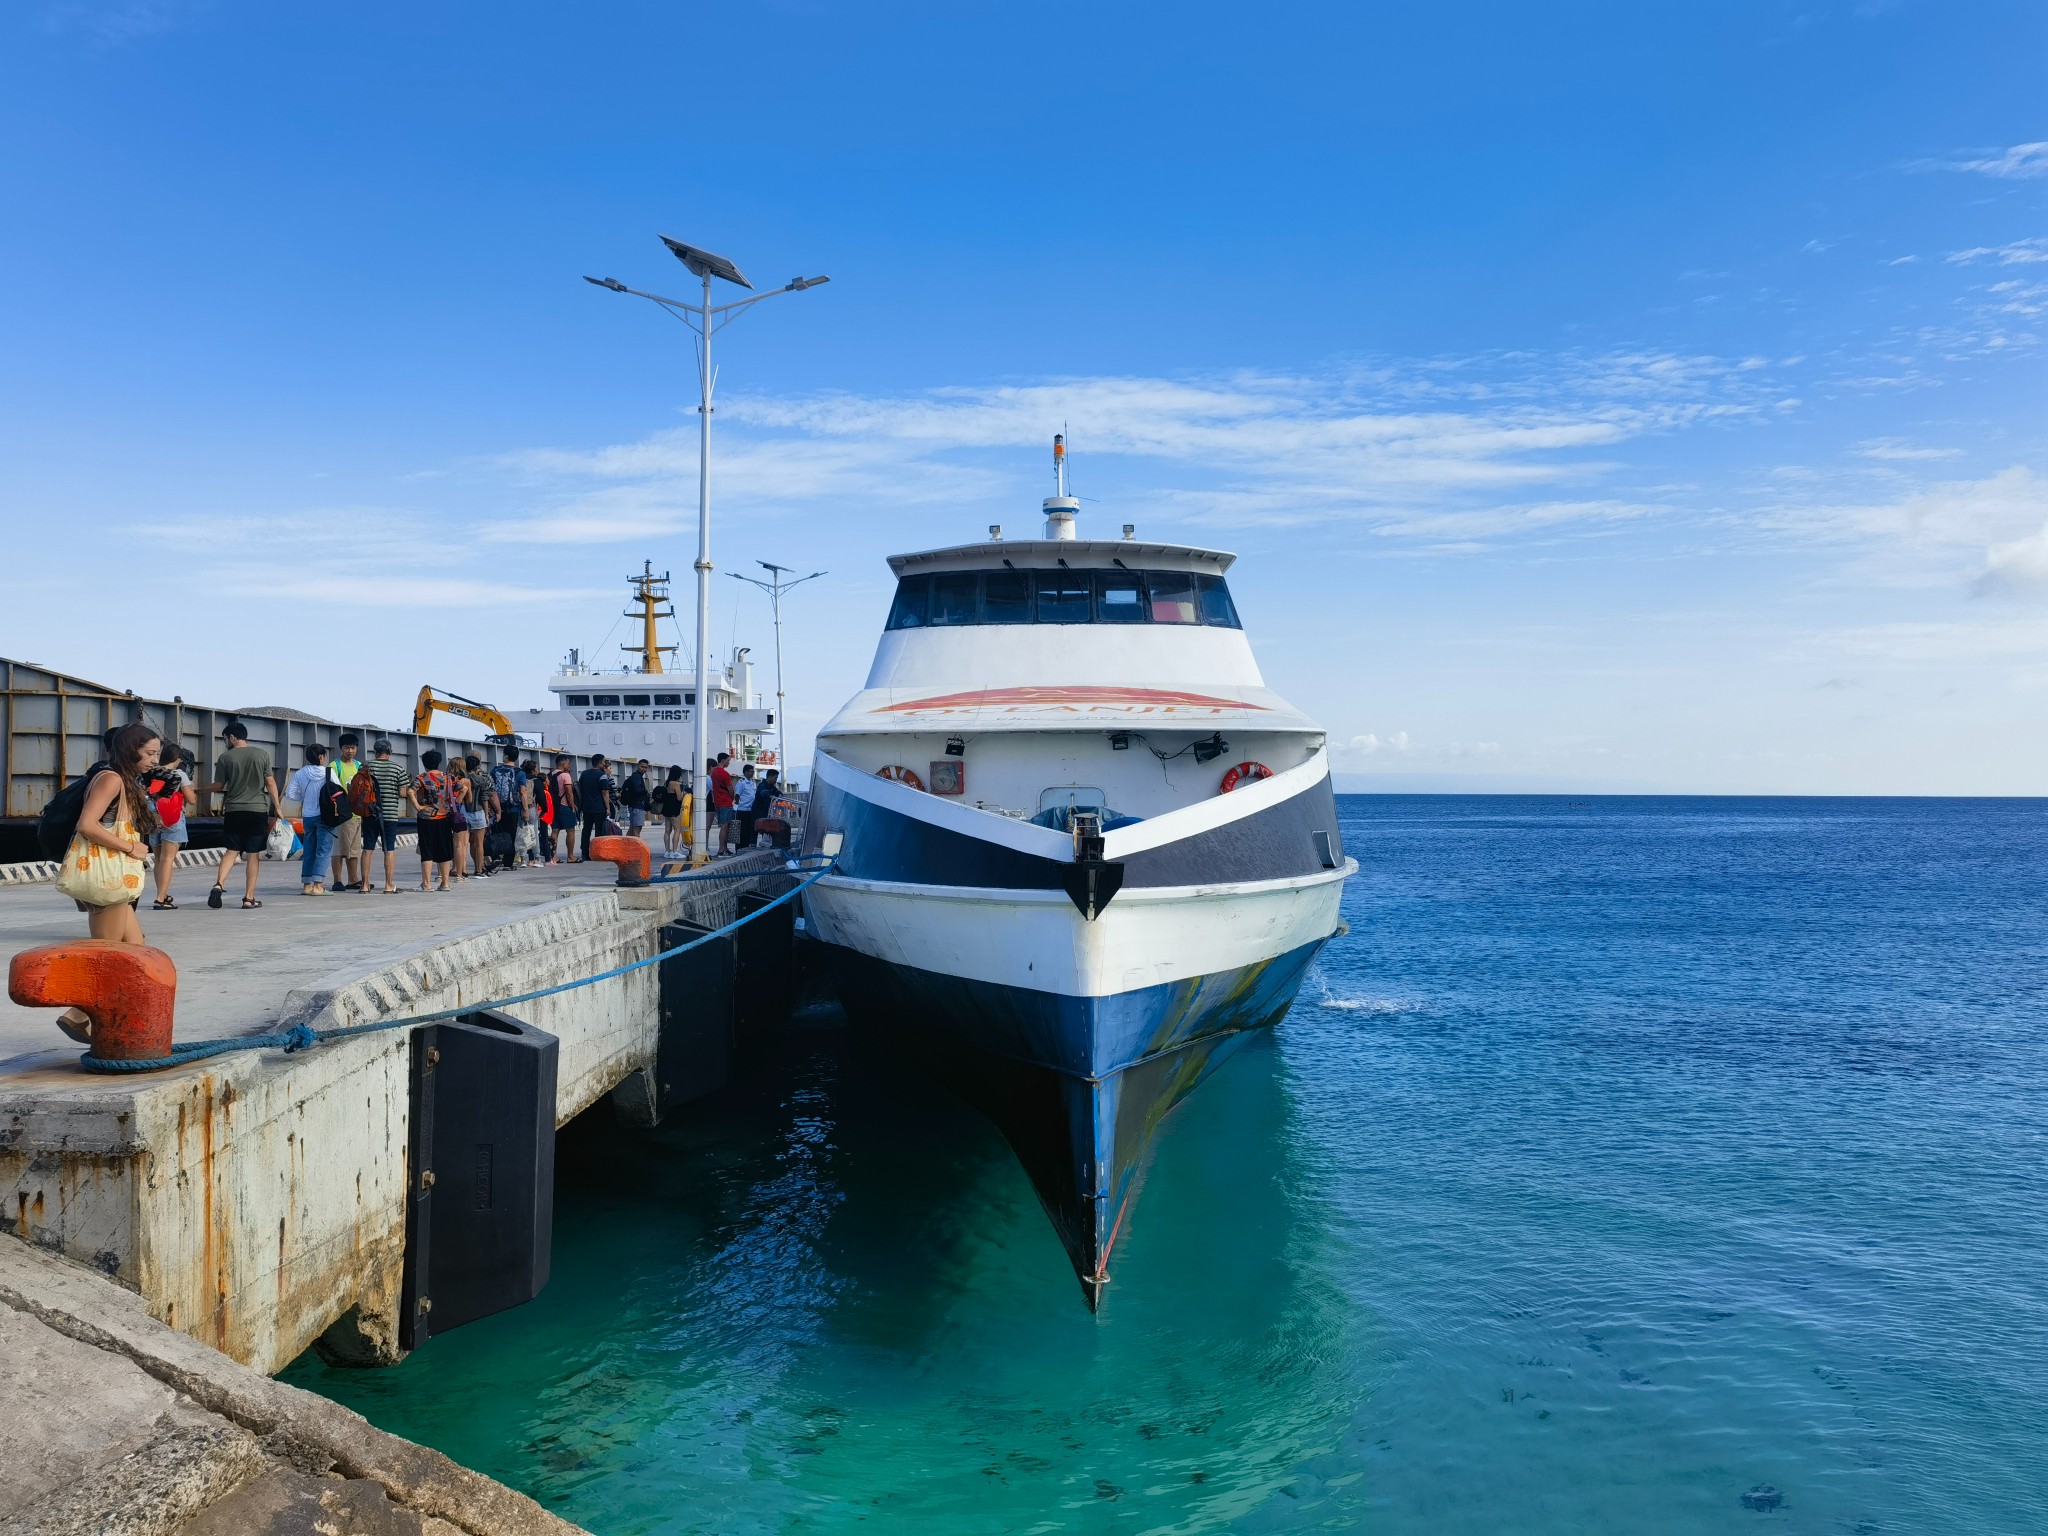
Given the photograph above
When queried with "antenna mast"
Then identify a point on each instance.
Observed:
(650, 594)
(1060, 508)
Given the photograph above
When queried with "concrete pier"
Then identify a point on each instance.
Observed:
(115, 1425)
(256, 1201)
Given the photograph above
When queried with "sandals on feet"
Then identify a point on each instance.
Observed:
(164, 904)
(76, 1023)
(213, 896)
(249, 903)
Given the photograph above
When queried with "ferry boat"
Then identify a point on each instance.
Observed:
(1082, 851)
(645, 711)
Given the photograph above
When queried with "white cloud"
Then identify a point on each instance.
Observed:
(352, 556)
(1974, 533)
(1446, 448)
(1892, 448)
(2013, 297)
(2018, 567)
(1370, 744)
(2020, 161)
(2018, 253)
(1943, 643)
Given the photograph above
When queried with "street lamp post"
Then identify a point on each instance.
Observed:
(706, 320)
(775, 586)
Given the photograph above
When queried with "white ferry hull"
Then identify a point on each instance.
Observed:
(953, 931)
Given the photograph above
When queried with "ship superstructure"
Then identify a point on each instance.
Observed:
(646, 711)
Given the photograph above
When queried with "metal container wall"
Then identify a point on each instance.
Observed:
(50, 728)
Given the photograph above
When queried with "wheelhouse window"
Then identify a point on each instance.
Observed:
(913, 599)
(1006, 597)
(1064, 597)
(668, 698)
(1170, 597)
(956, 598)
(638, 698)
(576, 700)
(1217, 608)
(1119, 598)
(949, 599)
(604, 698)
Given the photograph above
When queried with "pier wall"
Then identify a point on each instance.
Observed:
(256, 1201)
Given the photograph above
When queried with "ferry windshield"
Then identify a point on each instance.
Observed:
(952, 598)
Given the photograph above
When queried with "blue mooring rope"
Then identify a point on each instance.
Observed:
(301, 1037)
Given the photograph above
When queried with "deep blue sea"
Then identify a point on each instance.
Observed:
(1627, 1156)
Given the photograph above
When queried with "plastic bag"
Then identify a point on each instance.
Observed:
(282, 841)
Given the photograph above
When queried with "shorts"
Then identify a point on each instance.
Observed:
(348, 839)
(723, 814)
(437, 839)
(245, 831)
(636, 817)
(565, 821)
(385, 832)
(176, 835)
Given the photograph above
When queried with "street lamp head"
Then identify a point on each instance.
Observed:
(607, 282)
(704, 263)
(799, 284)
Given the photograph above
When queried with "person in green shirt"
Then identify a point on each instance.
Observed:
(350, 871)
(249, 809)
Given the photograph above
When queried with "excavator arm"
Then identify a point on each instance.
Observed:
(429, 700)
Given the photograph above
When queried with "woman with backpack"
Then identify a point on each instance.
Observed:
(171, 791)
(316, 839)
(108, 853)
(434, 800)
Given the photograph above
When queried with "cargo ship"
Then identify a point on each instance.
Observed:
(645, 711)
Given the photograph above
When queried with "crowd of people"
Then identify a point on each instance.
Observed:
(474, 819)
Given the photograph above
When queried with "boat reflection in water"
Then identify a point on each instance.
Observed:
(1082, 850)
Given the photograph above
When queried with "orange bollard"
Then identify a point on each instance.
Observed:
(128, 990)
(634, 858)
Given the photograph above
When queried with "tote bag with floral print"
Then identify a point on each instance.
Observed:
(98, 876)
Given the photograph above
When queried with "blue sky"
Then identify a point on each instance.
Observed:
(1598, 395)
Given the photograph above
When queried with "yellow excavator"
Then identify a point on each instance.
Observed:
(492, 720)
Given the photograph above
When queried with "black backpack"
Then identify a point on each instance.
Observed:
(334, 806)
(59, 821)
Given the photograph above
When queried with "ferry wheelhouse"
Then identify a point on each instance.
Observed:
(1082, 849)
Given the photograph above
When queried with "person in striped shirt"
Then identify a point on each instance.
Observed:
(394, 789)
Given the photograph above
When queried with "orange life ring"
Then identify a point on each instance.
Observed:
(898, 774)
(1244, 773)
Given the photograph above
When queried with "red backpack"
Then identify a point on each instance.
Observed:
(170, 803)
(362, 794)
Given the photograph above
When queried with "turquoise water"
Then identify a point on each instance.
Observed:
(1627, 1155)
